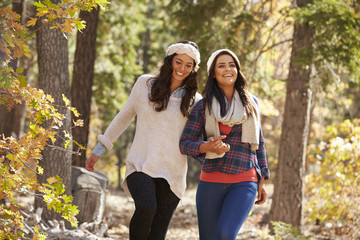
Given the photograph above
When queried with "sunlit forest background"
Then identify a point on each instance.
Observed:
(303, 55)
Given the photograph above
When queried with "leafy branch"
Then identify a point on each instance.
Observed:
(19, 158)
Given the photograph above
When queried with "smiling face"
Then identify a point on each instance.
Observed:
(225, 71)
(182, 65)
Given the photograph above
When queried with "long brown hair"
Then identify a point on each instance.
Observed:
(161, 87)
(212, 89)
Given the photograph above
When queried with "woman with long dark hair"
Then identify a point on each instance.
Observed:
(155, 169)
(231, 149)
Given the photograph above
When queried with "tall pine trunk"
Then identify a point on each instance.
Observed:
(83, 75)
(53, 78)
(287, 204)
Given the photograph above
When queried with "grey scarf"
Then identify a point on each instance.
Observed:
(235, 115)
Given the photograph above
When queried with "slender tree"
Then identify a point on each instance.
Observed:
(287, 204)
(83, 75)
(145, 43)
(10, 121)
(53, 78)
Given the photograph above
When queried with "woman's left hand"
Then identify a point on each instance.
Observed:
(261, 196)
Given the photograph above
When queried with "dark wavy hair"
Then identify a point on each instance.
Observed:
(161, 87)
(212, 89)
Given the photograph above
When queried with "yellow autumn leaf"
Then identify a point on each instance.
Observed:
(42, 13)
(66, 101)
(51, 180)
(31, 22)
(76, 113)
(79, 123)
(40, 170)
(50, 98)
(51, 135)
(66, 134)
(67, 27)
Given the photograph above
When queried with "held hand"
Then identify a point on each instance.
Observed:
(90, 162)
(218, 146)
(262, 195)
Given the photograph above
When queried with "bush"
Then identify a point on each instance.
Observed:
(333, 187)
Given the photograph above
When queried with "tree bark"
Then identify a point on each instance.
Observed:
(11, 121)
(83, 75)
(53, 78)
(287, 203)
(145, 43)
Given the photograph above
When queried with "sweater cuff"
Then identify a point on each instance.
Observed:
(99, 149)
(212, 155)
(105, 141)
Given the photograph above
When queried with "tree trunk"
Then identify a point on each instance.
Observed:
(287, 203)
(11, 121)
(53, 78)
(145, 43)
(83, 75)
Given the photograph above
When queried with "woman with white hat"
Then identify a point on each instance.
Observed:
(155, 169)
(231, 149)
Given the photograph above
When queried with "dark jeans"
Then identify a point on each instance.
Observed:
(223, 207)
(155, 205)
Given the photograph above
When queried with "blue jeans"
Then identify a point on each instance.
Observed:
(223, 207)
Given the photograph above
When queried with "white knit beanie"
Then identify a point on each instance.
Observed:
(214, 54)
(188, 49)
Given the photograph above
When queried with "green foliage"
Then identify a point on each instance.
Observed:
(210, 27)
(160, 32)
(19, 158)
(56, 199)
(259, 32)
(116, 65)
(333, 189)
(284, 231)
(251, 29)
(131, 40)
(337, 36)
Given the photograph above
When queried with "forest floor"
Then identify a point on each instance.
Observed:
(184, 223)
(119, 209)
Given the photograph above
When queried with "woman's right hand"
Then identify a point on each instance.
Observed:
(90, 162)
(262, 195)
(215, 145)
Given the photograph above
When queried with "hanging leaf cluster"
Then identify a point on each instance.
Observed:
(64, 14)
(19, 158)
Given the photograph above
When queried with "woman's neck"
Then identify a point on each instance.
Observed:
(229, 93)
(174, 86)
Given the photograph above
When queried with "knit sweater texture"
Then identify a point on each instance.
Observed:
(155, 148)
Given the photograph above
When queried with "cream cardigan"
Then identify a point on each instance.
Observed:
(155, 148)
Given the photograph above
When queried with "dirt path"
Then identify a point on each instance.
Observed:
(120, 207)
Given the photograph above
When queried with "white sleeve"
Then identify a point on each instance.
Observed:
(123, 119)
